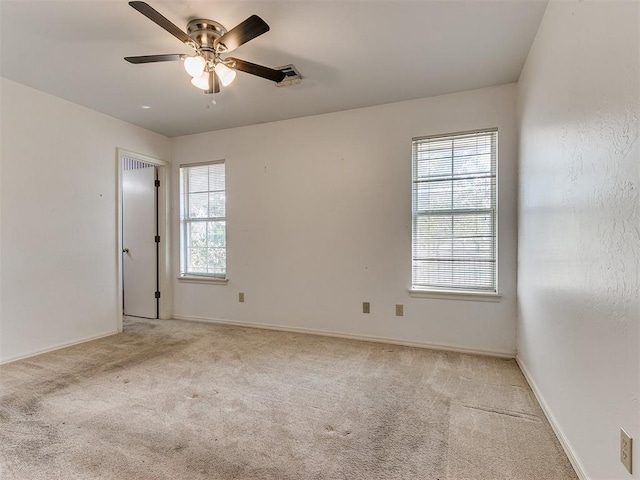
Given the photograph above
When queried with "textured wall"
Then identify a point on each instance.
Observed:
(579, 229)
(319, 215)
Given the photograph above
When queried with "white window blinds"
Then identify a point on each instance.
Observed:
(203, 226)
(454, 212)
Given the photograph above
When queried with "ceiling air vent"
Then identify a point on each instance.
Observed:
(293, 77)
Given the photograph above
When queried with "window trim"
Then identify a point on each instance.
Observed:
(454, 293)
(197, 277)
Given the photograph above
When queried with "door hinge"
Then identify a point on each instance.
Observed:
(157, 238)
(157, 294)
(157, 184)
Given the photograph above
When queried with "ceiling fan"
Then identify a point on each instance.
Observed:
(210, 40)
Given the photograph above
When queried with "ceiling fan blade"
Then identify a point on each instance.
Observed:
(258, 70)
(251, 28)
(214, 84)
(163, 22)
(155, 58)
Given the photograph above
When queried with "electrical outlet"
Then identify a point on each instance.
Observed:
(399, 310)
(241, 297)
(625, 449)
(366, 307)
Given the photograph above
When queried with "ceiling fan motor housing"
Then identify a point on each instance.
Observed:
(205, 32)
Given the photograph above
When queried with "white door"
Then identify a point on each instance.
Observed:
(140, 250)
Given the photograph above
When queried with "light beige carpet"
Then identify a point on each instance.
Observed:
(179, 400)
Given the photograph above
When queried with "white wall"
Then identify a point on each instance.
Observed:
(579, 227)
(319, 220)
(58, 216)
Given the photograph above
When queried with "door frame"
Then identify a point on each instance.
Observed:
(164, 230)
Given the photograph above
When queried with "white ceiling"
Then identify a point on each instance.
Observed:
(350, 53)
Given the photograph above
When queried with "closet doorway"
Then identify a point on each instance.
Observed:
(140, 239)
(143, 237)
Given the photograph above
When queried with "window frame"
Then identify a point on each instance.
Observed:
(455, 293)
(185, 221)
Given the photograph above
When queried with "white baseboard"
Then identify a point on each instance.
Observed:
(58, 346)
(366, 338)
(575, 463)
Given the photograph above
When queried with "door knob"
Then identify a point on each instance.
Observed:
(125, 250)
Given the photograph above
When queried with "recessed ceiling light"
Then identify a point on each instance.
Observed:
(145, 107)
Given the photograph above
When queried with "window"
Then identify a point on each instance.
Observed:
(454, 212)
(203, 225)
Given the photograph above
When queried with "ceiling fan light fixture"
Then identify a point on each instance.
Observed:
(225, 74)
(195, 65)
(209, 39)
(202, 82)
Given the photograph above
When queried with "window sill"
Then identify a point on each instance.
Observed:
(456, 295)
(197, 279)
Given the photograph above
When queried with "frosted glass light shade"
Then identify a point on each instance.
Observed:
(194, 65)
(202, 81)
(225, 74)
